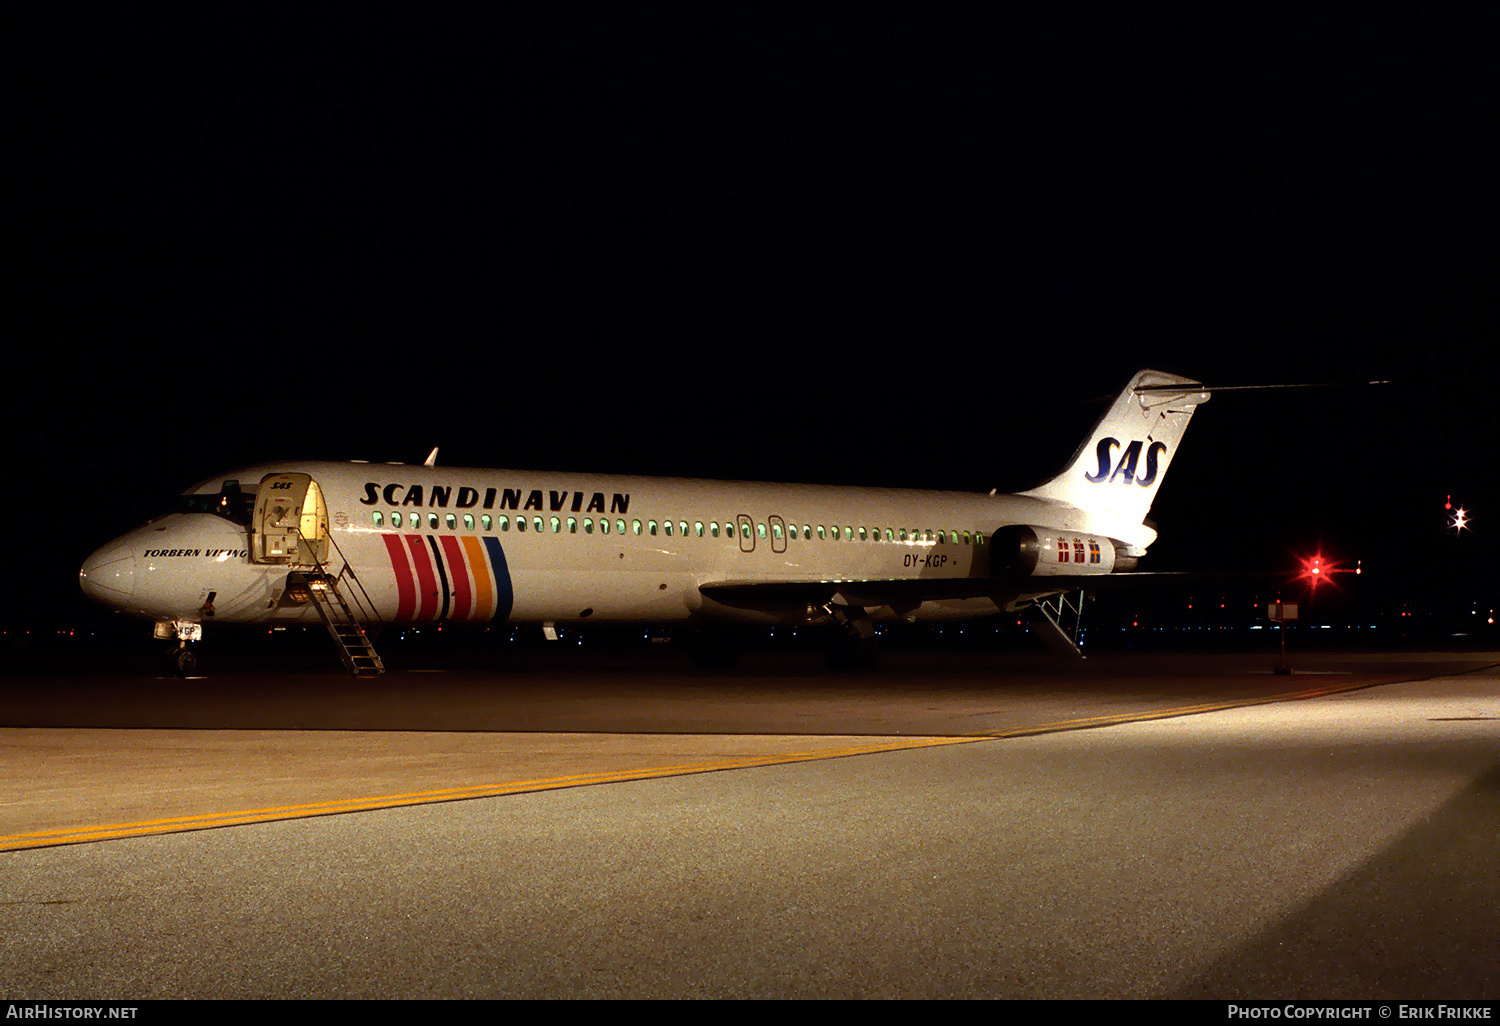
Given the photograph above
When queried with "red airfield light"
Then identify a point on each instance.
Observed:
(1318, 569)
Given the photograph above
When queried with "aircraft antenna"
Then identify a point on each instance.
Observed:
(1247, 388)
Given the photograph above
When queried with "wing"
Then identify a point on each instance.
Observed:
(910, 592)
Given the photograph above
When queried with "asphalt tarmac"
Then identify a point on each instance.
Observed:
(950, 825)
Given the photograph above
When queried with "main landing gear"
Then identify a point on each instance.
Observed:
(852, 646)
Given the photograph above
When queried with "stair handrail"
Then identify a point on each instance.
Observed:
(369, 615)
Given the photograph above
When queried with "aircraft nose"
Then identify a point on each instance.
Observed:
(108, 575)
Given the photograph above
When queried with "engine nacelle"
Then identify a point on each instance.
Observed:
(1049, 552)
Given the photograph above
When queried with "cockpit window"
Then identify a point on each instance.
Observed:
(229, 502)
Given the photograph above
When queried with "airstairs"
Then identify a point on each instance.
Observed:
(1053, 624)
(345, 607)
(290, 528)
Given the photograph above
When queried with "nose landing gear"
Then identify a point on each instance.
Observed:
(180, 660)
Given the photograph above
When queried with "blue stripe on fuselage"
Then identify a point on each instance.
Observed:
(504, 595)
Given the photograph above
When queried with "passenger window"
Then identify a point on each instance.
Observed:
(903, 534)
(504, 523)
(603, 525)
(760, 529)
(966, 537)
(520, 523)
(432, 521)
(775, 531)
(556, 525)
(698, 528)
(536, 522)
(651, 528)
(636, 526)
(713, 528)
(667, 527)
(379, 518)
(572, 525)
(619, 527)
(791, 530)
(729, 530)
(451, 521)
(864, 534)
(682, 528)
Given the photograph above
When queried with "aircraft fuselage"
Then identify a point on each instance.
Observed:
(469, 545)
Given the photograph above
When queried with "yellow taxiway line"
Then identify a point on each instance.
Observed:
(208, 821)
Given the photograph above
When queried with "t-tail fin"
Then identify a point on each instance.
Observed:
(1116, 472)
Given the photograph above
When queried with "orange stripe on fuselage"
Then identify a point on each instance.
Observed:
(484, 591)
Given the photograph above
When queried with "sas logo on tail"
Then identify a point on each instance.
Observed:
(1128, 460)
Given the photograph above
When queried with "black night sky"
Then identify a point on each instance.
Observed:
(840, 246)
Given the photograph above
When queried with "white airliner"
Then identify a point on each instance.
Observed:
(360, 545)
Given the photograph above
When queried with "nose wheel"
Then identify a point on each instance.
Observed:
(181, 661)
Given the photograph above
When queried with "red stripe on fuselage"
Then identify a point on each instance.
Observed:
(427, 585)
(406, 592)
(458, 578)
